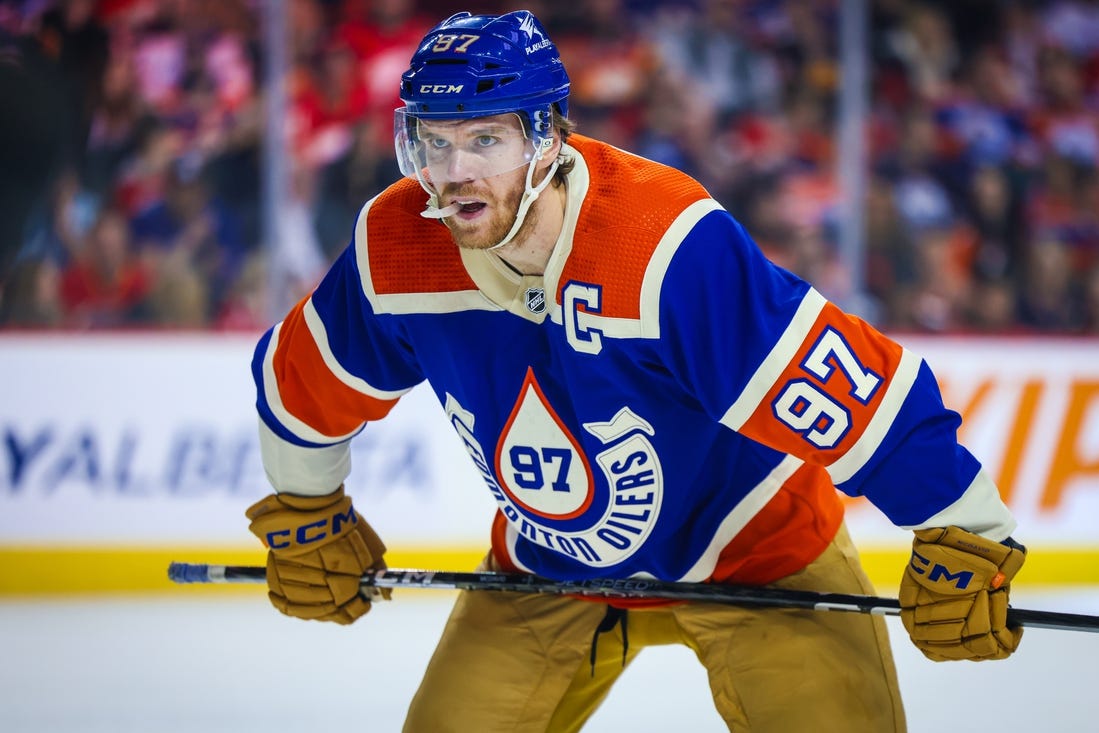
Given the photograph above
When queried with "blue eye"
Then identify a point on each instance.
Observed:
(485, 141)
(437, 143)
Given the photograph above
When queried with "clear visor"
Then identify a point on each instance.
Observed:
(442, 151)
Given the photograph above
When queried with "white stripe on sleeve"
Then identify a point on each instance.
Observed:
(775, 362)
(661, 259)
(856, 457)
(979, 510)
(299, 470)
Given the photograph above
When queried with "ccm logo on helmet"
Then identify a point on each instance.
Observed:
(441, 88)
(312, 532)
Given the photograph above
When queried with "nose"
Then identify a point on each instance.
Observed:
(463, 166)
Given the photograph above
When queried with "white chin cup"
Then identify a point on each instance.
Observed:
(434, 213)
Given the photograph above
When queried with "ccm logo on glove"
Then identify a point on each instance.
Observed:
(961, 579)
(313, 532)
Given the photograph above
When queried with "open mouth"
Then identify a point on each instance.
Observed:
(470, 207)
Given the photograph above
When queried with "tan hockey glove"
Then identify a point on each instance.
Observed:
(954, 595)
(318, 549)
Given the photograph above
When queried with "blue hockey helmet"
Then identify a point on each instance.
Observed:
(480, 65)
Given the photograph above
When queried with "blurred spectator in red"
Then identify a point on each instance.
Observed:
(753, 147)
(105, 285)
(810, 119)
(223, 36)
(329, 99)
(383, 34)
(330, 106)
(160, 62)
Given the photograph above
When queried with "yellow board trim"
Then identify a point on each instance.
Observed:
(36, 571)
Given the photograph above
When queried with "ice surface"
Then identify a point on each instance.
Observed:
(205, 664)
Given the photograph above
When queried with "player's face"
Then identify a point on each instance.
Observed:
(480, 165)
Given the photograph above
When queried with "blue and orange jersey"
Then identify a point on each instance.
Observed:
(662, 402)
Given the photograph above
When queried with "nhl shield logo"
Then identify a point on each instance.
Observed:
(536, 300)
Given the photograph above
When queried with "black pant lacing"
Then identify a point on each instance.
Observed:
(612, 618)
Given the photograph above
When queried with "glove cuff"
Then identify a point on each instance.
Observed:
(312, 503)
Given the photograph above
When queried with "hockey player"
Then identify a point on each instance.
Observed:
(644, 394)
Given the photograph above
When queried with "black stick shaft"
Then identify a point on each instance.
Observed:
(627, 588)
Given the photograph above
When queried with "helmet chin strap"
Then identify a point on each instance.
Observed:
(530, 195)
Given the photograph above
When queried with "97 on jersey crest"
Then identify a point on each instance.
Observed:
(540, 463)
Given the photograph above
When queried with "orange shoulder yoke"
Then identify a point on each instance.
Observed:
(630, 204)
(408, 253)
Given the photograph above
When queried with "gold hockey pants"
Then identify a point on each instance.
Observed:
(521, 662)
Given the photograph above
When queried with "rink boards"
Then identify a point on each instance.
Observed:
(119, 453)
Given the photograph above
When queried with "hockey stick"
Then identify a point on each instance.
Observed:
(625, 588)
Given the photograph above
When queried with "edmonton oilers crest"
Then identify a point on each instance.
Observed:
(548, 487)
(535, 300)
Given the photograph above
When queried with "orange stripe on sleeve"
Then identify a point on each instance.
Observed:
(308, 389)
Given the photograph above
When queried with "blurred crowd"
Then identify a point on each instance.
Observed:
(132, 145)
